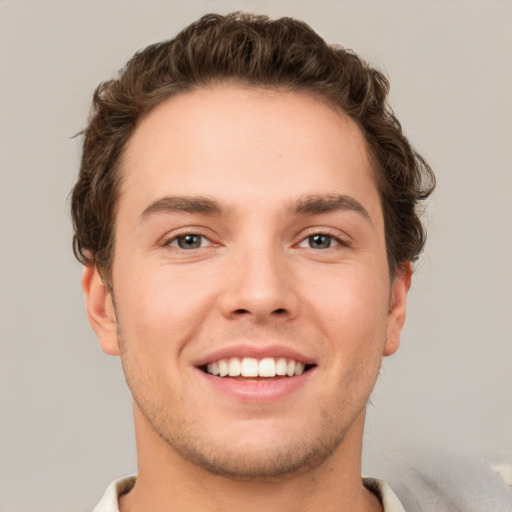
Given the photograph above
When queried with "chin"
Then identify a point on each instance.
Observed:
(263, 451)
(259, 464)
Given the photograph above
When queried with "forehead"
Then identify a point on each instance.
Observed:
(245, 143)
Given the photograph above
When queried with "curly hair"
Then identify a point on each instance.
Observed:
(284, 54)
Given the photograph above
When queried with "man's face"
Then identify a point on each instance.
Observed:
(249, 233)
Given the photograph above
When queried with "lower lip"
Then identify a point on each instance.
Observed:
(257, 391)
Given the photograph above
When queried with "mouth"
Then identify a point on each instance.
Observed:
(254, 368)
(258, 375)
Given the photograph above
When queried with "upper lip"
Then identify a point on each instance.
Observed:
(259, 351)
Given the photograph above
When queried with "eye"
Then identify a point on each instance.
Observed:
(319, 241)
(189, 241)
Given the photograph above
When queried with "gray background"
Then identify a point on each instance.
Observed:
(65, 412)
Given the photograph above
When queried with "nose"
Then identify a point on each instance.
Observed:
(260, 286)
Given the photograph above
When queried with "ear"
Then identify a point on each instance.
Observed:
(397, 307)
(100, 310)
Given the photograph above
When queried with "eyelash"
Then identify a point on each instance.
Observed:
(174, 241)
(327, 233)
(176, 238)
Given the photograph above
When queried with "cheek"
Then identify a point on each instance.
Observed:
(352, 315)
(163, 307)
(355, 327)
(351, 305)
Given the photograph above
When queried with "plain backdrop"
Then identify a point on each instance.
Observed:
(66, 428)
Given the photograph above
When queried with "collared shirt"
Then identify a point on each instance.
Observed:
(109, 502)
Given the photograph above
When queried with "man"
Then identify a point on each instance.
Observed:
(246, 215)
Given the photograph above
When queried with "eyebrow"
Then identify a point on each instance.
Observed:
(304, 205)
(318, 204)
(197, 204)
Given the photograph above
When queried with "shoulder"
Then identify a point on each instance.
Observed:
(109, 501)
(383, 491)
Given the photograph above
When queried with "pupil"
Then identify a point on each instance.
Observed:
(189, 242)
(320, 241)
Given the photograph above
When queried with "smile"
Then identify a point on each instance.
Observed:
(266, 367)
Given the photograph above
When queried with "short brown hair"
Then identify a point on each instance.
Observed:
(283, 54)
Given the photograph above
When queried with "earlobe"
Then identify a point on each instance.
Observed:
(100, 310)
(397, 307)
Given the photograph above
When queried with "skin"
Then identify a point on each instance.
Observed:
(256, 280)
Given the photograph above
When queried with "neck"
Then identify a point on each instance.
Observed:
(167, 482)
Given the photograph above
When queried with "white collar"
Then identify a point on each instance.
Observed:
(109, 502)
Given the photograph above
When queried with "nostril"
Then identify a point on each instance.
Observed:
(276, 312)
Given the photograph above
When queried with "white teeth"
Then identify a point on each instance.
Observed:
(281, 366)
(252, 367)
(223, 368)
(267, 367)
(234, 367)
(249, 367)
